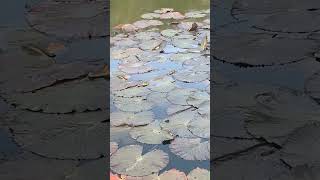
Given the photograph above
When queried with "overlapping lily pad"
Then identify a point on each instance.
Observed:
(150, 134)
(78, 96)
(261, 49)
(179, 96)
(131, 119)
(68, 20)
(200, 126)
(129, 160)
(190, 76)
(199, 173)
(135, 104)
(191, 148)
(162, 84)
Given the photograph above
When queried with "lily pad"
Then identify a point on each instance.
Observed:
(185, 43)
(162, 84)
(150, 16)
(195, 14)
(69, 136)
(135, 68)
(150, 134)
(172, 15)
(191, 148)
(150, 45)
(302, 146)
(191, 76)
(78, 96)
(204, 108)
(129, 160)
(174, 109)
(157, 98)
(169, 32)
(178, 124)
(136, 104)
(69, 20)
(280, 112)
(199, 173)
(141, 24)
(131, 119)
(197, 98)
(132, 92)
(179, 96)
(171, 174)
(261, 49)
(163, 10)
(200, 126)
(183, 56)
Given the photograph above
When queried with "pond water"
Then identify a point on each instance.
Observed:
(167, 58)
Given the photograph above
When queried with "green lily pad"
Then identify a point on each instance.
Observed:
(136, 104)
(78, 96)
(200, 126)
(191, 76)
(179, 96)
(178, 124)
(199, 173)
(195, 14)
(129, 160)
(162, 84)
(131, 119)
(191, 148)
(150, 16)
(169, 32)
(150, 134)
(141, 24)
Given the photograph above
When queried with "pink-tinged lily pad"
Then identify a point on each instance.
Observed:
(199, 174)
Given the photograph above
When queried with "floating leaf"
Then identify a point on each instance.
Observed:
(132, 92)
(113, 147)
(147, 23)
(135, 68)
(178, 124)
(191, 148)
(197, 98)
(129, 160)
(195, 14)
(157, 98)
(131, 119)
(191, 76)
(183, 57)
(302, 146)
(150, 45)
(179, 96)
(185, 43)
(172, 15)
(200, 126)
(150, 16)
(150, 134)
(199, 173)
(169, 32)
(136, 104)
(162, 84)
(173, 109)
(204, 108)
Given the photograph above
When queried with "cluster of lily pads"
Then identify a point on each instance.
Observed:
(266, 131)
(159, 81)
(56, 96)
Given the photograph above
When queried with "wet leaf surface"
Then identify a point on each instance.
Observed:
(199, 173)
(191, 148)
(131, 119)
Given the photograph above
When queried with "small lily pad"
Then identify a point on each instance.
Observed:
(191, 148)
(129, 160)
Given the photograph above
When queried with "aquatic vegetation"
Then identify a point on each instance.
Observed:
(153, 105)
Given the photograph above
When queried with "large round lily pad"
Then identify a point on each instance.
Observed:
(129, 160)
(280, 112)
(78, 96)
(179, 96)
(131, 119)
(279, 16)
(261, 49)
(191, 148)
(78, 136)
(302, 146)
(81, 19)
(150, 134)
